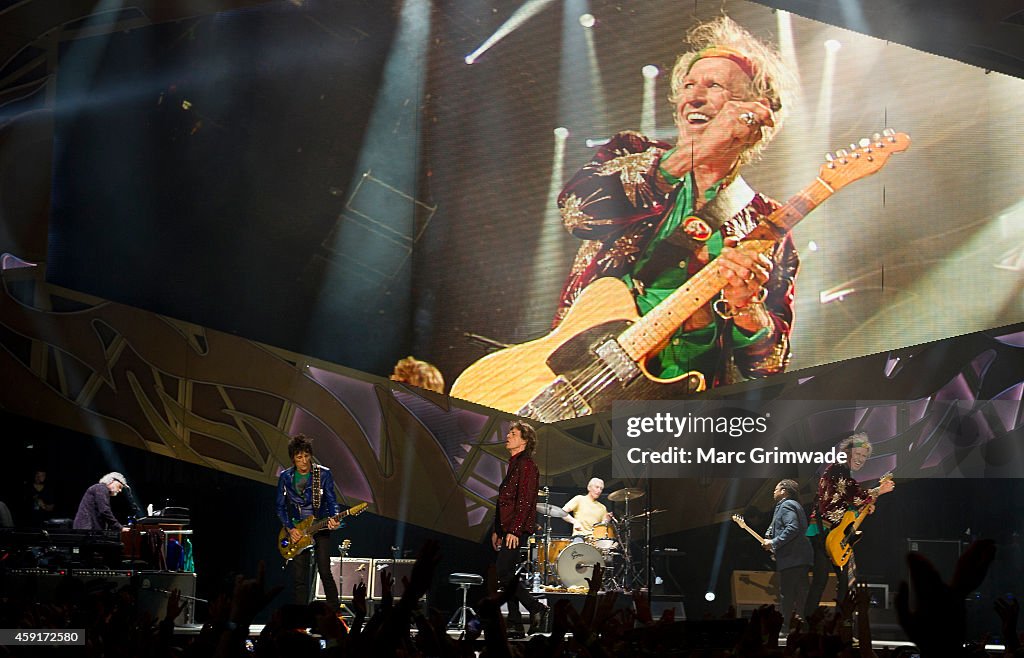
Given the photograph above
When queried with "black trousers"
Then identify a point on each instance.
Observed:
(823, 566)
(508, 561)
(793, 588)
(300, 571)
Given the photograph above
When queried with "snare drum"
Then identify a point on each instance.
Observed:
(576, 564)
(604, 536)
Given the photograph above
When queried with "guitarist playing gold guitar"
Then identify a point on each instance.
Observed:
(308, 510)
(686, 276)
(840, 498)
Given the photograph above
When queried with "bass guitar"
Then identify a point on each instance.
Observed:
(598, 353)
(753, 533)
(840, 540)
(309, 526)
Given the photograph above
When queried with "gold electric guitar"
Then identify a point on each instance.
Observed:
(743, 524)
(309, 526)
(840, 540)
(598, 353)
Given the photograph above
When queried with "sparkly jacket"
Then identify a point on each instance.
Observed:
(517, 498)
(837, 493)
(615, 205)
(293, 506)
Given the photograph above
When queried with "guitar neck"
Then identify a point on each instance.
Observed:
(653, 330)
(320, 524)
(752, 533)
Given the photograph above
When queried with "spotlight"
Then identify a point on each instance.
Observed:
(587, 20)
(833, 46)
(710, 596)
(561, 132)
(650, 71)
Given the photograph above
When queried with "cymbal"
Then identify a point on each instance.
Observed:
(644, 515)
(625, 494)
(548, 509)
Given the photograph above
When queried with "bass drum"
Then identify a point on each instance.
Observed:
(576, 563)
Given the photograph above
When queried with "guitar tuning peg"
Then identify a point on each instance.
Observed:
(864, 142)
(830, 159)
(853, 150)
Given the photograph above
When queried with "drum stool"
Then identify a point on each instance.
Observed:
(464, 581)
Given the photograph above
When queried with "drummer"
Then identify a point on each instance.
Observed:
(584, 512)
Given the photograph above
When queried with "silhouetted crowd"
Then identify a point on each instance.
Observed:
(935, 621)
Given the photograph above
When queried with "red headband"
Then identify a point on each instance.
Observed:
(728, 53)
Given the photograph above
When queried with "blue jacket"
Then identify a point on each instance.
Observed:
(292, 507)
(788, 535)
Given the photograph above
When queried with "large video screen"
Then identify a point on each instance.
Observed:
(366, 181)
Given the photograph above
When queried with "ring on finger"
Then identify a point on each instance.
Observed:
(748, 118)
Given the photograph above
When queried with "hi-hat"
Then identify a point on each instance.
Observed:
(625, 494)
(548, 509)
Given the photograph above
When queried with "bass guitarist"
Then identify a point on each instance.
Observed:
(653, 213)
(307, 489)
(838, 493)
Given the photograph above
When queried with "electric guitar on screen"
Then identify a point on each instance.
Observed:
(598, 353)
(840, 540)
(309, 526)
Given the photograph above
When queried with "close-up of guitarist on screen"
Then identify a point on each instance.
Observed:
(840, 505)
(654, 213)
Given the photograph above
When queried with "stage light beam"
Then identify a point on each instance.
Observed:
(525, 12)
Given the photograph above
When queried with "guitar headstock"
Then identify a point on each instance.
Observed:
(357, 509)
(887, 476)
(738, 518)
(862, 159)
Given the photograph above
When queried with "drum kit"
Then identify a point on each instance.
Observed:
(569, 561)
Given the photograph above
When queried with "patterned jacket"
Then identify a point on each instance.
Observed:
(837, 493)
(615, 205)
(517, 498)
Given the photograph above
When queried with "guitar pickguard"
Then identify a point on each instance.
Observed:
(592, 372)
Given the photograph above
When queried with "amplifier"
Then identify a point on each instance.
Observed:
(352, 570)
(398, 568)
(155, 586)
(756, 588)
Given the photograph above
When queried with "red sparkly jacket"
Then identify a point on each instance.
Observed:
(517, 498)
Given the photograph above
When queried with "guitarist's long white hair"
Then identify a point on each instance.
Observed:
(772, 79)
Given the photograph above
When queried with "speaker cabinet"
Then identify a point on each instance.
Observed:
(154, 587)
(398, 568)
(352, 570)
(942, 553)
(756, 588)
